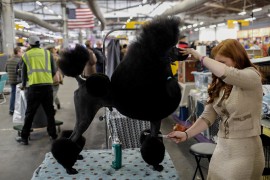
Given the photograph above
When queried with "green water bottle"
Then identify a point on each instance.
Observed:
(117, 151)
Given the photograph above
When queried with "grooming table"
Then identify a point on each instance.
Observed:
(97, 165)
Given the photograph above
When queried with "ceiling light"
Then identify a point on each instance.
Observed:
(196, 29)
(189, 26)
(221, 24)
(212, 26)
(256, 10)
(195, 25)
(39, 3)
(201, 23)
(250, 19)
(242, 13)
(201, 28)
(268, 15)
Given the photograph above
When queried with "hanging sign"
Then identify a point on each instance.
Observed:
(231, 23)
(134, 24)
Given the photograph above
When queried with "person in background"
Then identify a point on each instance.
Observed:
(183, 42)
(100, 57)
(90, 67)
(194, 44)
(12, 76)
(38, 69)
(58, 77)
(264, 48)
(235, 95)
(246, 44)
(123, 51)
(255, 45)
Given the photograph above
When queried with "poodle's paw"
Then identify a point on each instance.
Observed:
(71, 171)
(80, 157)
(158, 168)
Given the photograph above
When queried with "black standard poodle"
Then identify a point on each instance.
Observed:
(141, 87)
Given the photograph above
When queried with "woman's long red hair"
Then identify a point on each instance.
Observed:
(232, 49)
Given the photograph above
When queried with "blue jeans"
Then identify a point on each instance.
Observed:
(12, 97)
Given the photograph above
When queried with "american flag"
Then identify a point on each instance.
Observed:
(80, 18)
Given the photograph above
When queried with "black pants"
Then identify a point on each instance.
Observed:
(39, 95)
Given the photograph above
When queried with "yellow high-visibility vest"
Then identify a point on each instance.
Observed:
(38, 65)
(174, 67)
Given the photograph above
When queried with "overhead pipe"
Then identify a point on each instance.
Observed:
(32, 18)
(96, 11)
(183, 7)
(22, 33)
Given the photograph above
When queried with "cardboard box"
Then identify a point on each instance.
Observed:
(184, 70)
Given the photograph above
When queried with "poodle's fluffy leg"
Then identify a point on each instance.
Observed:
(86, 108)
(155, 127)
(152, 147)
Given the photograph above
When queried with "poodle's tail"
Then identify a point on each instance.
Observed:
(72, 61)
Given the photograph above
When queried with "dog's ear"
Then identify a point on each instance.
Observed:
(98, 85)
(72, 61)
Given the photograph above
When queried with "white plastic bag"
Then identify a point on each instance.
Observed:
(20, 106)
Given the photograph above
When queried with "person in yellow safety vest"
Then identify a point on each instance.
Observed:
(38, 69)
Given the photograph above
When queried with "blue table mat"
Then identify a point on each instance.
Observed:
(96, 165)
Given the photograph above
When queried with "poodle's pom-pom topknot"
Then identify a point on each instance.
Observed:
(72, 61)
(161, 33)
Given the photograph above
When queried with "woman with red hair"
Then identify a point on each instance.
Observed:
(235, 95)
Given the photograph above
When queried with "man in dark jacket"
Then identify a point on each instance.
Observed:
(12, 76)
(98, 53)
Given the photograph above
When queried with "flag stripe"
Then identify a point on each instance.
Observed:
(84, 18)
(81, 26)
(81, 20)
(80, 23)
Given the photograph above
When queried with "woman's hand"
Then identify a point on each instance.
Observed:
(191, 51)
(177, 136)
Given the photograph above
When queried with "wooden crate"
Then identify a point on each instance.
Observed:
(184, 70)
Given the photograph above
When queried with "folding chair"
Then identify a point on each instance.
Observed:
(266, 149)
(3, 80)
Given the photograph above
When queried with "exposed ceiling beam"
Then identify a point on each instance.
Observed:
(183, 6)
(22, 33)
(214, 5)
(32, 18)
(96, 11)
(233, 2)
(25, 1)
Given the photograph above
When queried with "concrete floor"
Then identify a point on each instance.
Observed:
(19, 162)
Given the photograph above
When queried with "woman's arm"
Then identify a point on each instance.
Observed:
(214, 66)
(206, 119)
(179, 136)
